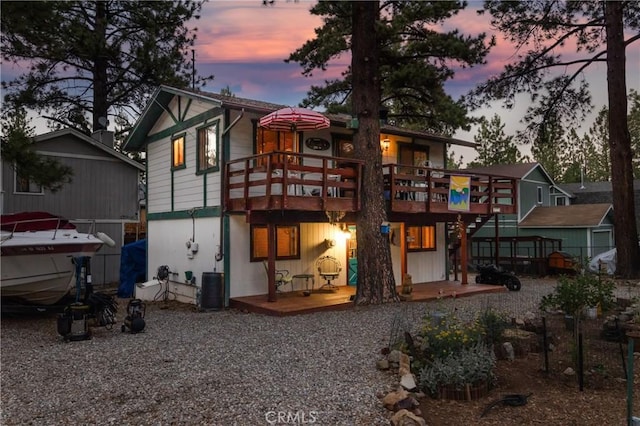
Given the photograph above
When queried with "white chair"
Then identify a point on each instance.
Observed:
(282, 276)
(329, 270)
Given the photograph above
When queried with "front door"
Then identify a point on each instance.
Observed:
(352, 256)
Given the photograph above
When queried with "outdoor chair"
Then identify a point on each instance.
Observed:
(282, 276)
(329, 269)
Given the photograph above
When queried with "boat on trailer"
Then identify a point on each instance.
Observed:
(37, 256)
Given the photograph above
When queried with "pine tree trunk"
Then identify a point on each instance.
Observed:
(626, 231)
(376, 283)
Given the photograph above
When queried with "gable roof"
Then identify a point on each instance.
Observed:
(517, 171)
(575, 215)
(91, 141)
(164, 94)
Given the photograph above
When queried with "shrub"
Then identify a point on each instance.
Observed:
(469, 366)
(493, 324)
(573, 294)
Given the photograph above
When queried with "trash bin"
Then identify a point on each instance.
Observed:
(212, 295)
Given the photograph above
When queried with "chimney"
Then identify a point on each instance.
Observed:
(105, 137)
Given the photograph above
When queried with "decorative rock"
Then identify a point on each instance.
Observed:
(569, 372)
(392, 398)
(382, 364)
(508, 349)
(408, 382)
(407, 418)
(408, 403)
(394, 356)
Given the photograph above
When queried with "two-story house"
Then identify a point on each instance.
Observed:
(221, 190)
(102, 197)
(546, 221)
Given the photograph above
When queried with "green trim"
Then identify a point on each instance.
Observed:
(175, 138)
(226, 261)
(184, 214)
(193, 121)
(186, 108)
(216, 167)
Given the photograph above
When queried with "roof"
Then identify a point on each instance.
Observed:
(576, 215)
(88, 139)
(517, 171)
(164, 94)
(593, 187)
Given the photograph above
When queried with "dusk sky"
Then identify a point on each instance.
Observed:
(244, 44)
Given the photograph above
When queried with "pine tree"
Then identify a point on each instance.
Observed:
(495, 146)
(94, 59)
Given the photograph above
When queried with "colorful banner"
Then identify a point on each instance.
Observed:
(459, 193)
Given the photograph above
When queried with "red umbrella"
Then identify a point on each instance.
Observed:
(294, 119)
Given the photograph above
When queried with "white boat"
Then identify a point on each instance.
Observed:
(37, 256)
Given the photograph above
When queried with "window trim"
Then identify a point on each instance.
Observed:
(422, 248)
(539, 195)
(216, 166)
(174, 139)
(253, 258)
(15, 186)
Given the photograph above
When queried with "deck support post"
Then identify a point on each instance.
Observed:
(463, 252)
(271, 261)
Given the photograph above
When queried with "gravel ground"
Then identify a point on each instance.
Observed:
(216, 368)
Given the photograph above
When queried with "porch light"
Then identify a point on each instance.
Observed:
(384, 144)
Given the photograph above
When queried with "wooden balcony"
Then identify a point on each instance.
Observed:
(293, 182)
(419, 190)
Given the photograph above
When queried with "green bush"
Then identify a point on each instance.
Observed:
(573, 294)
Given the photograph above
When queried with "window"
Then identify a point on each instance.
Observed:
(421, 238)
(539, 195)
(23, 185)
(208, 148)
(561, 201)
(287, 242)
(177, 152)
(412, 155)
(271, 140)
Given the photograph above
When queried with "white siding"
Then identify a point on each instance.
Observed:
(159, 177)
(167, 246)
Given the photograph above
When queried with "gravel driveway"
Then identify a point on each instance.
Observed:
(216, 368)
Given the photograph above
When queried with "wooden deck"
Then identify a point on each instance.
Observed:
(296, 303)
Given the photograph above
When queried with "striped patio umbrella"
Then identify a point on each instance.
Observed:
(294, 119)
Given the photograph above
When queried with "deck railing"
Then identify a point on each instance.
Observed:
(427, 189)
(294, 181)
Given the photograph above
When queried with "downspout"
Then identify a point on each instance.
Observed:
(223, 167)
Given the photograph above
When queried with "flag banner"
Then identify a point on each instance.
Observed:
(459, 193)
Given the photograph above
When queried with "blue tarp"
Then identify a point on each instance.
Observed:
(133, 267)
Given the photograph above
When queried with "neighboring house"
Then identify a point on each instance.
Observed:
(599, 192)
(227, 196)
(547, 220)
(103, 194)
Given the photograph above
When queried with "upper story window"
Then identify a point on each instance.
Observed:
(287, 242)
(208, 148)
(413, 155)
(177, 152)
(539, 192)
(421, 238)
(271, 140)
(24, 185)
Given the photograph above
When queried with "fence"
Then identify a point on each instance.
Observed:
(548, 341)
